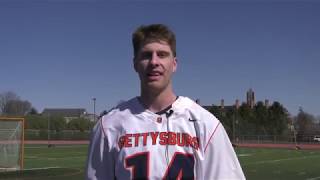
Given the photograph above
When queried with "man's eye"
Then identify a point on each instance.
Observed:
(163, 54)
(146, 55)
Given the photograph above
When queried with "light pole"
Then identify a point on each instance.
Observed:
(234, 128)
(94, 109)
(49, 145)
(292, 128)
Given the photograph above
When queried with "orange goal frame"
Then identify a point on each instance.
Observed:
(21, 157)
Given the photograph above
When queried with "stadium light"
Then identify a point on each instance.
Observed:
(49, 144)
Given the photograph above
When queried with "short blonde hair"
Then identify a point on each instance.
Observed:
(153, 33)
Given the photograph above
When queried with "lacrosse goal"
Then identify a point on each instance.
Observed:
(11, 143)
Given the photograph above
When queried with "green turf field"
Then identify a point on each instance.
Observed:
(280, 164)
(67, 162)
(55, 163)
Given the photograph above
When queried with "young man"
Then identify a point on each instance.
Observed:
(160, 135)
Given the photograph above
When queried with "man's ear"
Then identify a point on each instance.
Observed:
(135, 64)
(175, 64)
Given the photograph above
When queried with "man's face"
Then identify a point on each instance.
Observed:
(155, 65)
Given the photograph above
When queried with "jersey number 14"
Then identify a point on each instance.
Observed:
(180, 167)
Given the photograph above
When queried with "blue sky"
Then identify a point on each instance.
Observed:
(60, 54)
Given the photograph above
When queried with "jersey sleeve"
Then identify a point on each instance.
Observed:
(220, 159)
(100, 163)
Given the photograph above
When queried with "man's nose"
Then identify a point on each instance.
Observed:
(154, 59)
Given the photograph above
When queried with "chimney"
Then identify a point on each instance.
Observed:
(250, 98)
(266, 103)
(222, 104)
(237, 104)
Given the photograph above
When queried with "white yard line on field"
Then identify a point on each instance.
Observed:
(315, 178)
(31, 157)
(54, 158)
(33, 169)
(280, 160)
(57, 146)
(243, 155)
(77, 157)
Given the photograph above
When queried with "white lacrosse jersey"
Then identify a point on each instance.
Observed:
(185, 141)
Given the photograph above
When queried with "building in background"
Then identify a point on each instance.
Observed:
(251, 102)
(250, 98)
(68, 113)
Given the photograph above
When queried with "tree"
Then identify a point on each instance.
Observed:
(261, 118)
(36, 122)
(11, 104)
(246, 119)
(5, 98)
(33, 111)
(57, 123)
(17, 107)
(80, 124)
(305, 124)
(216, 111)
(278, 119)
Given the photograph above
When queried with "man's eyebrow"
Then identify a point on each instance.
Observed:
(149, 51)
(166, 53)
(163, 51)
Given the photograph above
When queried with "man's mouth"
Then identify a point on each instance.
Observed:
(154, 75)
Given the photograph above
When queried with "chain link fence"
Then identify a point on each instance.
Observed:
(31, 134)
(277, 139)
(256, 139)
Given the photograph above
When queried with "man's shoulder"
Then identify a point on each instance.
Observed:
(188, 103)
(125, 108)
(196, 110)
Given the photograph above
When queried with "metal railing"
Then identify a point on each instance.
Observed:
(277, 139)
(56, 135)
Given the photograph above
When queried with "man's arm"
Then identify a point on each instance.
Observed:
(100, 163)
(220, 159)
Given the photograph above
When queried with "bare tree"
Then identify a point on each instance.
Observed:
(305, 124)
(17, 107)
(5, 98)
(11, 104)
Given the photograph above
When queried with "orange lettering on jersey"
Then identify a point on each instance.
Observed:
(195, 143)
(136, 139)
(154, 136)
(172, 138)
(180, 139)
(127, 140)
(188, 139)
(144, 138)
(163, 138)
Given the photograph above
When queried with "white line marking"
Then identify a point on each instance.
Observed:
(54, 158)
(63, 158)
(57, 146)
(31, 157)
(279, 160)
(32, 169)
(243, 155)
(315, 178)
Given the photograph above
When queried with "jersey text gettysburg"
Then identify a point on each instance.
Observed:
(163, 138)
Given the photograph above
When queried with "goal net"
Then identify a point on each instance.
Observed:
(11, 143)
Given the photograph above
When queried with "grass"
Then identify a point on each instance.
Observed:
(280, 164)
(68, 162)
(56, 163)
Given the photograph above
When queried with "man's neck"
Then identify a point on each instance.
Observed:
(156, 102)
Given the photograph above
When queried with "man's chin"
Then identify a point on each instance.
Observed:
(155, 86)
